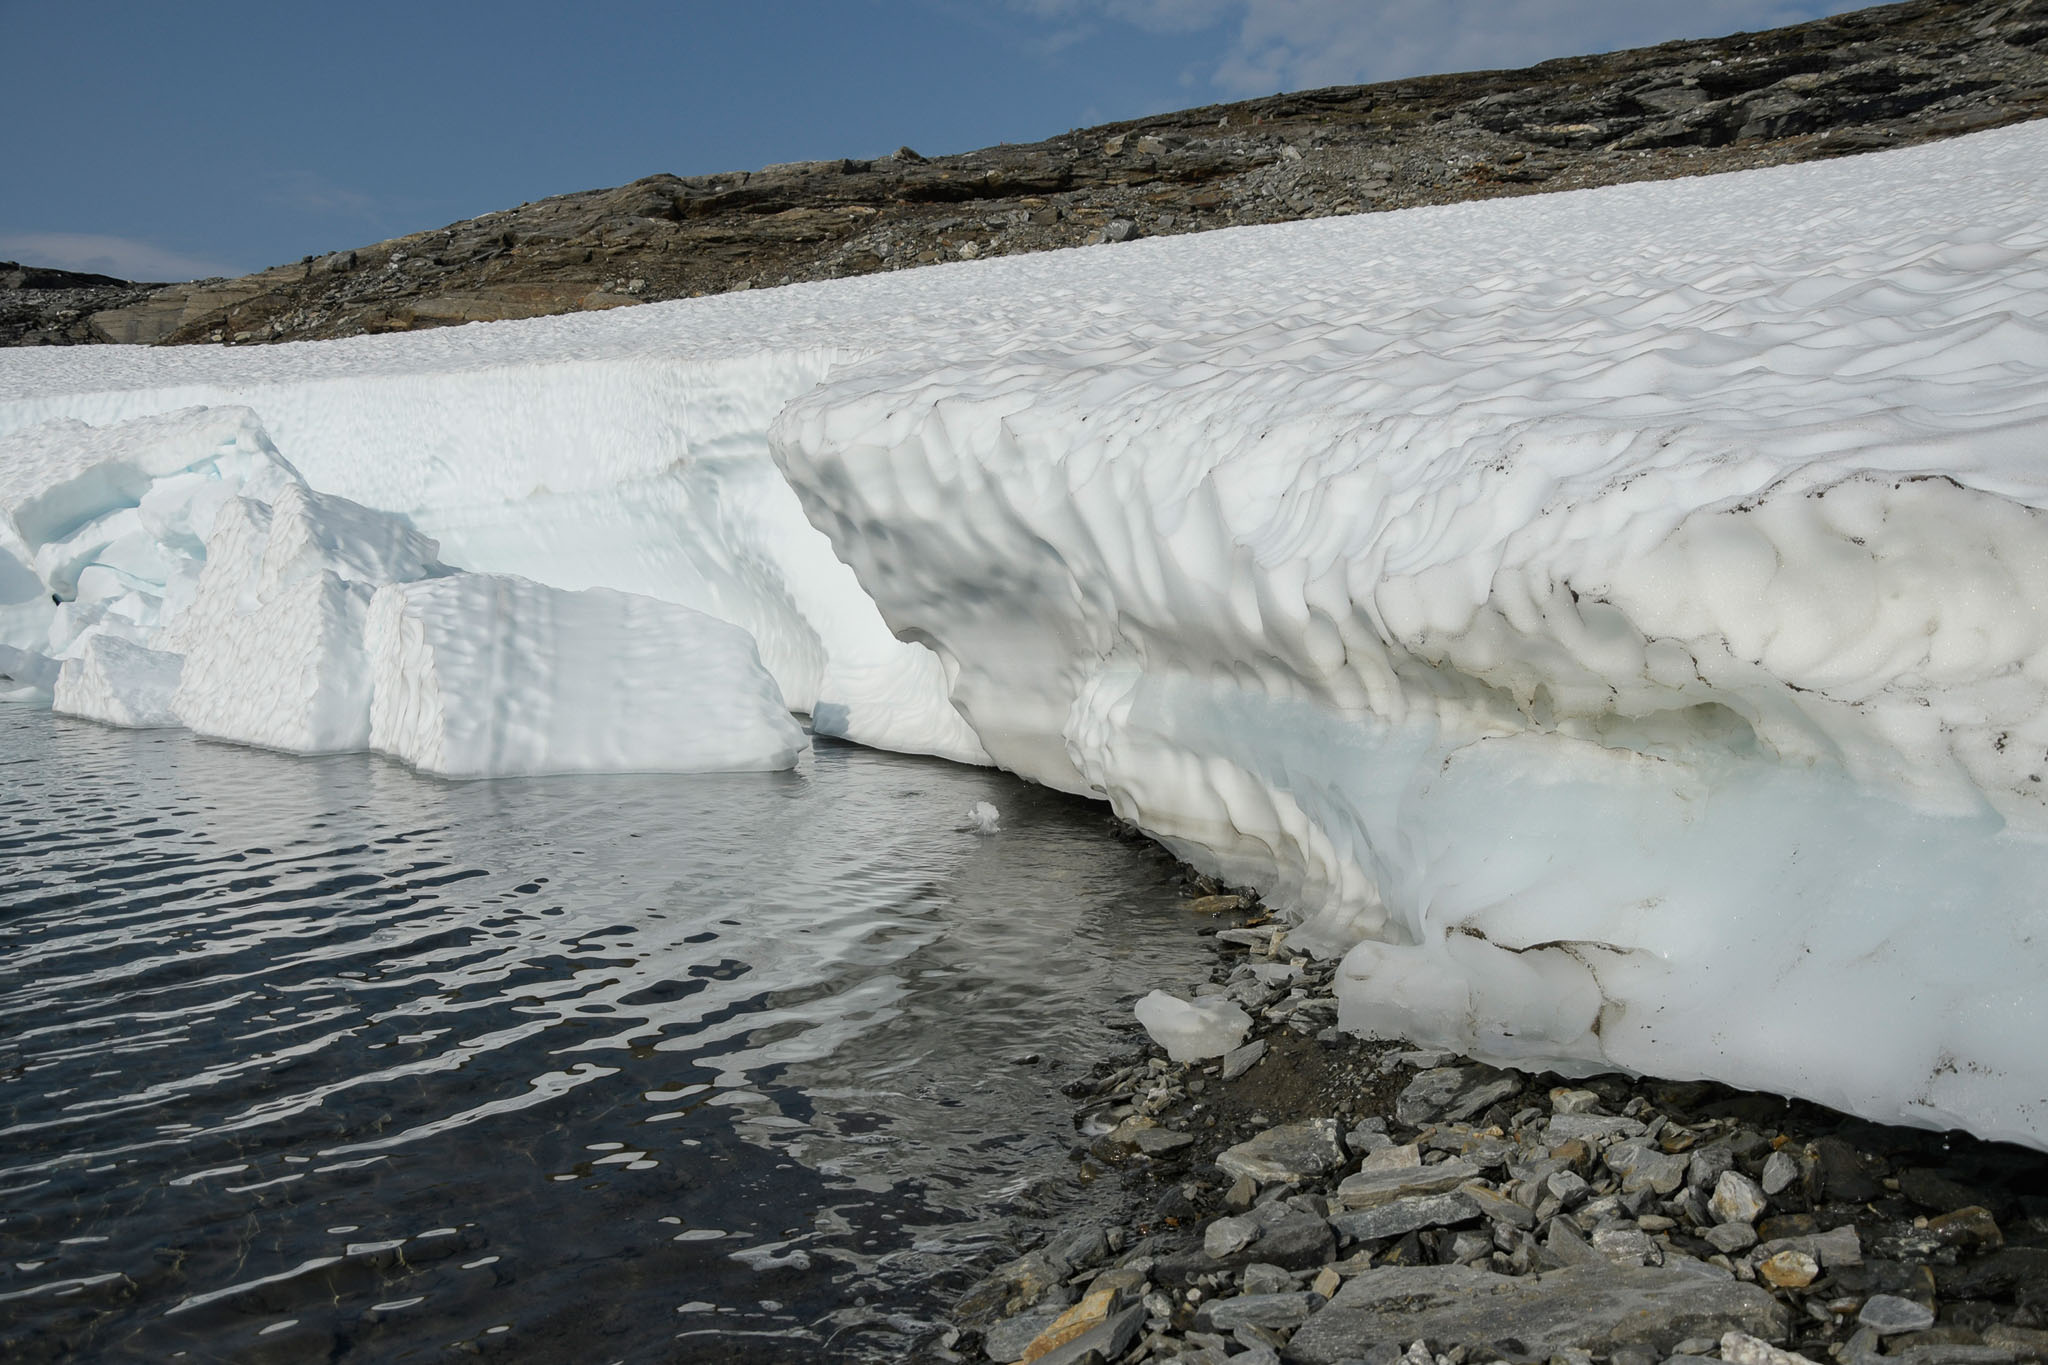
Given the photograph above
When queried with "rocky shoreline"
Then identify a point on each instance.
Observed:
(1885, 77)
(1313, 1197)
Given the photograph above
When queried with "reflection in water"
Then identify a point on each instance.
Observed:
(310, 1057)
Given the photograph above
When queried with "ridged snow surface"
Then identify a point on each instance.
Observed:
(1617, 620)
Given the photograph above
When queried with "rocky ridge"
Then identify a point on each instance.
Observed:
(1877, 78)
(1313, 1198)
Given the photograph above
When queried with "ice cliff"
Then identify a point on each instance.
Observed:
(1617, 622)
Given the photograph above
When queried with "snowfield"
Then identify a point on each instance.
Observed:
(1616, 621)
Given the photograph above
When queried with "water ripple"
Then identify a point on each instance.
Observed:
(322, 1056)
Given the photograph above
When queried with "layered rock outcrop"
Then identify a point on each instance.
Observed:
(1883, 77)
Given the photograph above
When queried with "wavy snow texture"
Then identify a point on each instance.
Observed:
(1618, 614)
(1626, 612)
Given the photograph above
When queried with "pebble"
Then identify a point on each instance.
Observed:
(1888, 1315)
(1736, 1198)
(1474, 1174)
(1242, 1059)
(1789, 1270)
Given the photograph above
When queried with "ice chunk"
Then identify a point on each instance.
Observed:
(27, 676)
(58, 477)
(488, 675)
(273, 639)
(119, 682)
(984, 818)
(1192, 1032)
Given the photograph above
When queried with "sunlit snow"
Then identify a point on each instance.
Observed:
(1617, 621)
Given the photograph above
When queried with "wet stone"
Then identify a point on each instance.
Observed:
(1105, 1342)
(1889, 1315)
(1160, 1141)
(1008, 1340)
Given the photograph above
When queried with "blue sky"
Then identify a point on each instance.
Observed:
(181, 138)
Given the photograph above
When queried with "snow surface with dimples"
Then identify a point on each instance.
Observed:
(1617, 621)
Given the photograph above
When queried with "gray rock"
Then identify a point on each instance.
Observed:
(1643, 1167)
(1740, 1348)
(1293, 1239)
(1292, 1152)
(1627, 1246)
(1429, 1095)
(1943, 1354)
(1107, 1341)
(1568, 1247)
(1736, 1198)
(1257, 1310)
(1007, 1339)
(1593, 1128)
(1730, 1238)
(1596, 1308)
(1833, 1249)
(1708, 1165)
(1239, 1060)
(1369, 1189)
(1498, 1207)
(1082, 1246)
(1160, 1141)
(1781, 1172)
(1888, 1315)
(1453, 1094)
(1405, 1215)
(1229, 1235)
(1261, 1278)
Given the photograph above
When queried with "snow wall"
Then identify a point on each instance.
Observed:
(1617, 621)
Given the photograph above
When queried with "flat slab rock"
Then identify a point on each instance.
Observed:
(1290, 1152)
(1597, 1308)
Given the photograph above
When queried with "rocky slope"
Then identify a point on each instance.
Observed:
(1877, 78)
(41, 307)
(1313, 1198)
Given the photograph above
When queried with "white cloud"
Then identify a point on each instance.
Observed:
(311, 193)
(1272, 45)
(124, 257)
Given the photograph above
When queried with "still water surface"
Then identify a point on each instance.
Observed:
(321, 1059)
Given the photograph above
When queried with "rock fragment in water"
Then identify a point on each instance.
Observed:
(1192, 1033)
